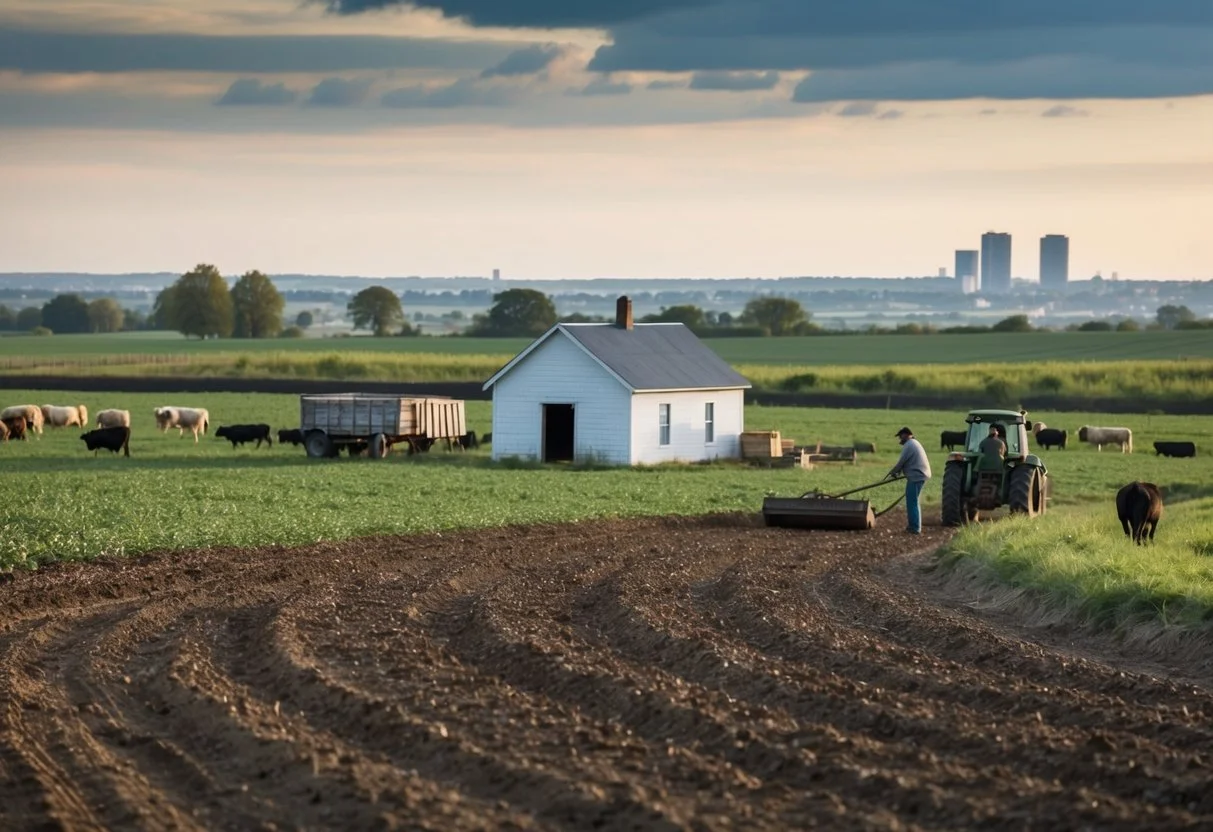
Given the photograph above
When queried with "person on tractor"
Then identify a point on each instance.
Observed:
(993, 448)
(916, 468)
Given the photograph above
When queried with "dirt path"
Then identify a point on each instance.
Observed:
(661, 674)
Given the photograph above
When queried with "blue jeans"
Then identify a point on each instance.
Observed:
(913, 509)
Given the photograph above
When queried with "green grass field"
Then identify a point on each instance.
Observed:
(827, 349)
(174, 494)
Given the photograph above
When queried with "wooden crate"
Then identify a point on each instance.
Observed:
(761, 444)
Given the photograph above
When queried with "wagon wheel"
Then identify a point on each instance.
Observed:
(317, 444)
(380, 447)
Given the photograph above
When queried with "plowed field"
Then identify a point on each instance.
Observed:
(659, 674)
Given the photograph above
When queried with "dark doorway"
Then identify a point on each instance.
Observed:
(557, 433)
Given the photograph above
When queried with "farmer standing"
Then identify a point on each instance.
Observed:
(914, 466)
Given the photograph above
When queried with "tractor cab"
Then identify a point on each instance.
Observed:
(976, 481)
(1011, 427)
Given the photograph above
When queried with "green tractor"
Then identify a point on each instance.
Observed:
(974, 482)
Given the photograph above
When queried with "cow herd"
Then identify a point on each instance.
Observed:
(1047, 438)
(113, 427)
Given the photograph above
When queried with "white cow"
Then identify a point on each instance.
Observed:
(114, 419)
(1107, 436)
(56, 416)
(194, 419)
(31, 412)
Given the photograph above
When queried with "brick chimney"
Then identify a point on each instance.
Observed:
(623, 312)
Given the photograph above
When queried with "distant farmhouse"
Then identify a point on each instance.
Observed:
(618, 393)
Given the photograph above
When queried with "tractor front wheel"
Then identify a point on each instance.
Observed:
(952, 509)
(1026, 490)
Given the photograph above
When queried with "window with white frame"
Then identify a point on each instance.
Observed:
(663, 423)
(709, 423)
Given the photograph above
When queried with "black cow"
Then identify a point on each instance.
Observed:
(293, 436)
(16, 427)
(112, 439)
(468, 441)
(1139, 508)
(487, 439)
(951, 438)
(239, 434)
(1175, 449)
(1049, 437)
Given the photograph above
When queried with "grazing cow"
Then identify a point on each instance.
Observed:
(468, 441)
(1050, 437)
(193, 419)
(1175, 449)
(15, 425)
(293, 436)
(1139, 508)
(112, 439)
(31, 413)
(239, 434)
(64, 417)
(1107, 436)
(114, 419)
(864, 447)
(951, 438)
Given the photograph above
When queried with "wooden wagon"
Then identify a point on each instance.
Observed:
(376, 422)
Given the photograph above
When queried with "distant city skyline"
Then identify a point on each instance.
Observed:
(663, 139)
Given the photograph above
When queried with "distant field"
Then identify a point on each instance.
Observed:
(828, 349)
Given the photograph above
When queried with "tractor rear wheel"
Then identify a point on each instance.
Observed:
(952, 510)
(1025, 491)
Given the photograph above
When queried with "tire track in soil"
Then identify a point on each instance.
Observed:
(682, 673)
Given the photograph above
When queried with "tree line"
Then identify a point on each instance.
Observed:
(201, 304)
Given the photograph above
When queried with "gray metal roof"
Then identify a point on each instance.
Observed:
(656, 356)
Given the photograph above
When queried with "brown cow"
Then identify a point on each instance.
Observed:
(1139, 508)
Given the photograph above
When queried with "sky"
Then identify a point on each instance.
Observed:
(604, 138)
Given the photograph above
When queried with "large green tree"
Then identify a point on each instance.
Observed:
(516, 313)
(105, 315)
(8, 318)
(378, 309)
(65, 313)
(29, 317)
(1171, 316)
(778, 316)
(198, 303)
(257, 306)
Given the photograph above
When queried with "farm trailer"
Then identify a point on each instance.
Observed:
(366, 421)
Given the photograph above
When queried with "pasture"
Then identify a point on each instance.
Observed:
(1009, 348)
(172, 494)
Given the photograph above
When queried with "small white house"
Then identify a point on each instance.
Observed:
(621, 393)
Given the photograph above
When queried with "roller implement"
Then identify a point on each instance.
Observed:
(815, 510)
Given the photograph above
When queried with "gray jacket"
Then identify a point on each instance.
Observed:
(912, 463)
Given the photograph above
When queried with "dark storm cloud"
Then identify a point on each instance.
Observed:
(527, 61)
(821, 17)
(339, 92)
(249, 92)
(734, 81)
(529, 13)
(462, 93)
(33, 51)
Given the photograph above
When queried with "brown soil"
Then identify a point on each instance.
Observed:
(660, 674)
